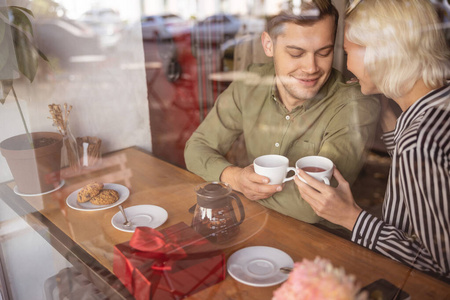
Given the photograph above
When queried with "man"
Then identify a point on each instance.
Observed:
(296, 106)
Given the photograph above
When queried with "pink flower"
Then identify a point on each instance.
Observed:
(318, 280)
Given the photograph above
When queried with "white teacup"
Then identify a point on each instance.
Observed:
(273, 166)
(319, 167)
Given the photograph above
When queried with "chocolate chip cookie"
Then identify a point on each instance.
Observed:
(89, 191)
(105, 197)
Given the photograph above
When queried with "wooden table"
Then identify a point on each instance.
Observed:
(87, 238)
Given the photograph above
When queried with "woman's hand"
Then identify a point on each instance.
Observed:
(334, 204)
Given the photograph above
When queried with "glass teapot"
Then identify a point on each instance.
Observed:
(214, 215)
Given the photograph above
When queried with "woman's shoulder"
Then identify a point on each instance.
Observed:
(428, 133)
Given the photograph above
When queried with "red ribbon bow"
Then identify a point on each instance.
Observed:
(148, 242)
(154, 244)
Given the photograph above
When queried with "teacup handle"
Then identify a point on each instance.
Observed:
(292, 177)
(324, 179)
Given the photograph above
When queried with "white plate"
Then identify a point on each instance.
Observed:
(16, 190)
(259, 266)
(123, 191)
(140, 215)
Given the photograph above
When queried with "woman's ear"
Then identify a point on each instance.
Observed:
(267, 44)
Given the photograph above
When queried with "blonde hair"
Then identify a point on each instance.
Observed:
(404, 43)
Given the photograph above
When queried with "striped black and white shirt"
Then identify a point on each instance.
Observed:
(415, 227)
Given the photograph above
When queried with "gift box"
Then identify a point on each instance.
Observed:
(168, 264)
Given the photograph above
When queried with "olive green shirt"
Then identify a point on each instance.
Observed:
(337, 123)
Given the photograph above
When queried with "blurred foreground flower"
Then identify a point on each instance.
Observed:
(319, 280)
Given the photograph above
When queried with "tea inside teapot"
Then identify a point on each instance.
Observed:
(214, 215)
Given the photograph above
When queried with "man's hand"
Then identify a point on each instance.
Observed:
(246, 181)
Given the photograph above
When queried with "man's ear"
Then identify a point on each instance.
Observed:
(267, 44)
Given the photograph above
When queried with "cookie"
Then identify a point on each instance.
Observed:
(89, 191)
(105, 197)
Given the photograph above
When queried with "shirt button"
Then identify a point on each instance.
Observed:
(277, 145)
(288, 117)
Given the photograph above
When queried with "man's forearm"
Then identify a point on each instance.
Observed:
(229, 176)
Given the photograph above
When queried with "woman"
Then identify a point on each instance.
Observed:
(395, 48)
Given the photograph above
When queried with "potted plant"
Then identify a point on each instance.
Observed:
(33, 158)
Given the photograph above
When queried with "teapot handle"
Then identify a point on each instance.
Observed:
(192, 208)
(241, 207)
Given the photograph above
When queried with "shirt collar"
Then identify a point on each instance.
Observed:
(418, 108)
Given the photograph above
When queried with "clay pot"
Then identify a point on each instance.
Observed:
(35, 171)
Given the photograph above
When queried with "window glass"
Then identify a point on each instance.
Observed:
(146, 73)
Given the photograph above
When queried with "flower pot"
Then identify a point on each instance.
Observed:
(35, 171)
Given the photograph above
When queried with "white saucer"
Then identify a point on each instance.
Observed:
(259, 266)
(16, 190)
(123, 191)
(140, 215)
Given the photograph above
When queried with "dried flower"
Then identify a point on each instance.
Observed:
(319, 280)
(60, 119)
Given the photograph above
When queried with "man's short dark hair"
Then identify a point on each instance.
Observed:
(309, 13)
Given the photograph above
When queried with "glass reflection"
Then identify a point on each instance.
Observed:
(138, 73)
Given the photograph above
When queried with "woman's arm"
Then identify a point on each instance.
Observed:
(416, 222)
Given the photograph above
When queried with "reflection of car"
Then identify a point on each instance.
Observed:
(216, 29)
(64, 39)
(163, 27)
(106, 23)
(243, 50)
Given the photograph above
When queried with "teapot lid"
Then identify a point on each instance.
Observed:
(213, 190)
(213, 194)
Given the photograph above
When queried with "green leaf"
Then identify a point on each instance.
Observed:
(26, 54)
(2, 29)
(23, 9)
(4, 11)
(21, 20)
(41, 54)
(4, 56)
(5, 89)
(4, 50)
(8, 61)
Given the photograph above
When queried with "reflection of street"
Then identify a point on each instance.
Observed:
(180, 93)
(183, 91)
